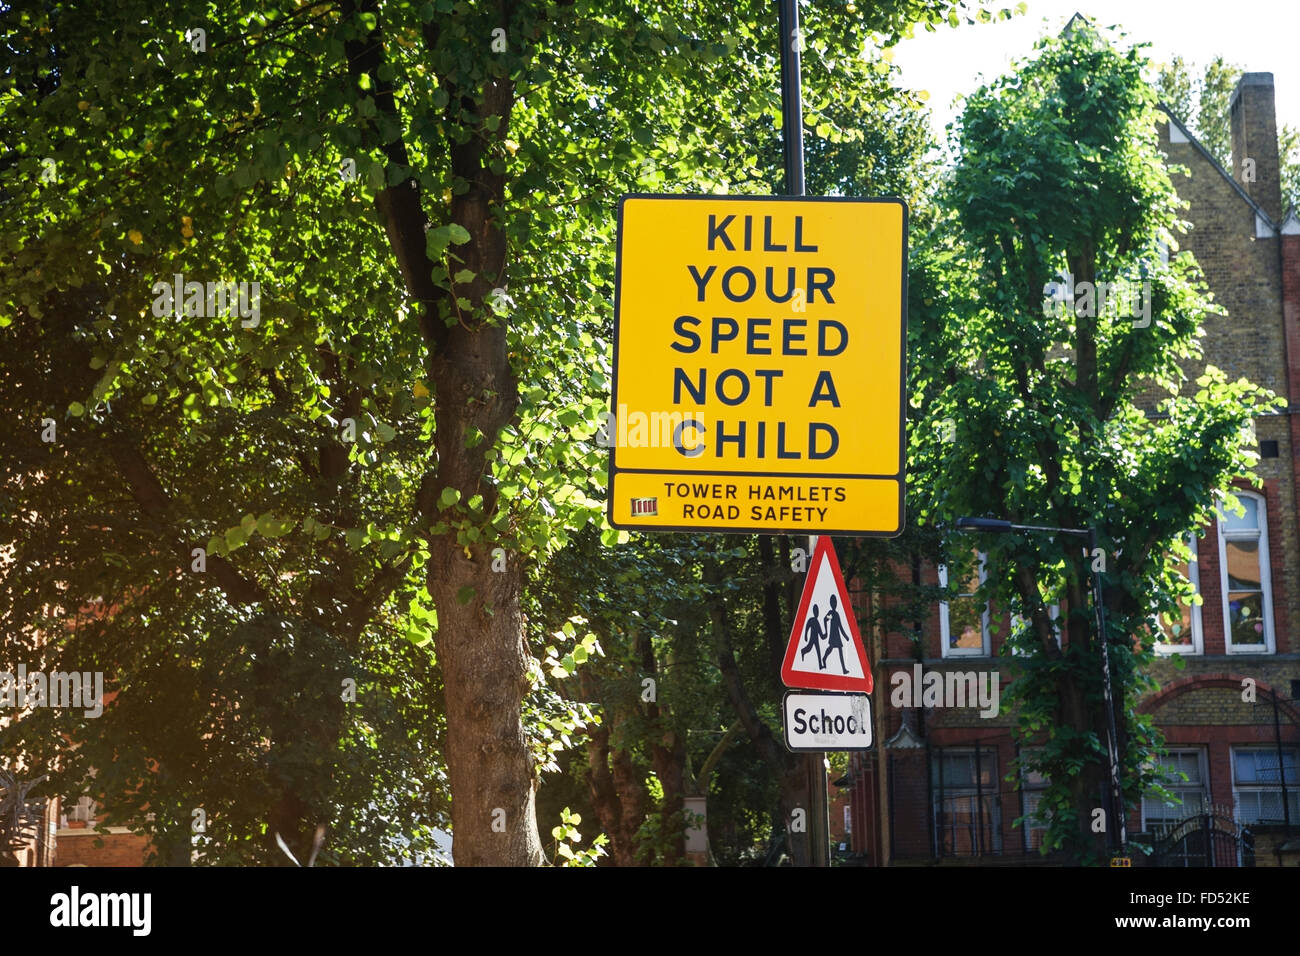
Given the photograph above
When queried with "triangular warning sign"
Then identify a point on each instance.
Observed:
(825, 650)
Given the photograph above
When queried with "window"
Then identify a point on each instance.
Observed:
(1159, 816)
(964, 622)
(964, 801)
(1183, 636)
(1032, 785)
(83, 811)
(1019, 623)
(1244, 573)
(1257, 783)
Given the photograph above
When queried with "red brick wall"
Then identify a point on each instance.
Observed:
(1291, 324)
(119, 849)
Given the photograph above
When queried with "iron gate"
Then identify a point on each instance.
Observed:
(1210, 838)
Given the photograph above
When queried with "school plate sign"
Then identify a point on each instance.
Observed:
(759, 365)
(827, 722)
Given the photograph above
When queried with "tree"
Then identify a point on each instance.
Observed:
(227, 639)
(1071, 410)
(1200, 99)
(378, 445)
(638, 674)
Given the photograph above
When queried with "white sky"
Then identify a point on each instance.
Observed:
(1260, 37)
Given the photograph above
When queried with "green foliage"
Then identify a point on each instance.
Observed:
(1062, 417)
(1288, 148)
(1200, 100)
(567, 837)
(182, 428)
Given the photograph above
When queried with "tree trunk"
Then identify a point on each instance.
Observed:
(617, 796)
(484, 662)
(480, 640)
(668, 758)
(1087, 787)
(788, 768)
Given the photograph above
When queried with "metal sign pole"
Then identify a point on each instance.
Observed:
(820, 831)
(791, 97)
(792, 143)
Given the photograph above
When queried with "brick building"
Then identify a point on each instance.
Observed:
(935, 791)
(72, 836)
(75, 833)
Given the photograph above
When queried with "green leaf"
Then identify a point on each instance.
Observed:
(449, 497)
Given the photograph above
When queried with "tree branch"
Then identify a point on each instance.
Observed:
(153, 500)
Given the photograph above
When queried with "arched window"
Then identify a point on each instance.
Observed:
(1244, 576)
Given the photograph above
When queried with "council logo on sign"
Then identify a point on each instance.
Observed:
(766, 337)
(645, 506)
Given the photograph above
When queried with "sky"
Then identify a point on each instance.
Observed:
(1260, 37)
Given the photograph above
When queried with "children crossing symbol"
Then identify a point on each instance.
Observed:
(825, 650)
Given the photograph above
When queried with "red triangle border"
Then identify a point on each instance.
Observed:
(802, 680)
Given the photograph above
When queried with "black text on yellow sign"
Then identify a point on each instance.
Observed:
(759, 364)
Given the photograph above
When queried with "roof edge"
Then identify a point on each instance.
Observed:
(1196, 143)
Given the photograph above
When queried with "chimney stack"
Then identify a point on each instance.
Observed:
(1254, 142)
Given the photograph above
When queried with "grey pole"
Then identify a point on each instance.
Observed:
(1117, 829)
(791, 96)
(792, 148)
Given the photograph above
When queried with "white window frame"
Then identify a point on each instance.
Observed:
(1265, 579)
(985, 650)
(1202, 765)
(1292, 788)
(84, 811)
(1197, 644)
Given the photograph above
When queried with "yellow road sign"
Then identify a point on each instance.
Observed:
(759, 356)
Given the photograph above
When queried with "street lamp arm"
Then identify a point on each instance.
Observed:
(1002, 525)
(1036, 527)
(983, 524)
